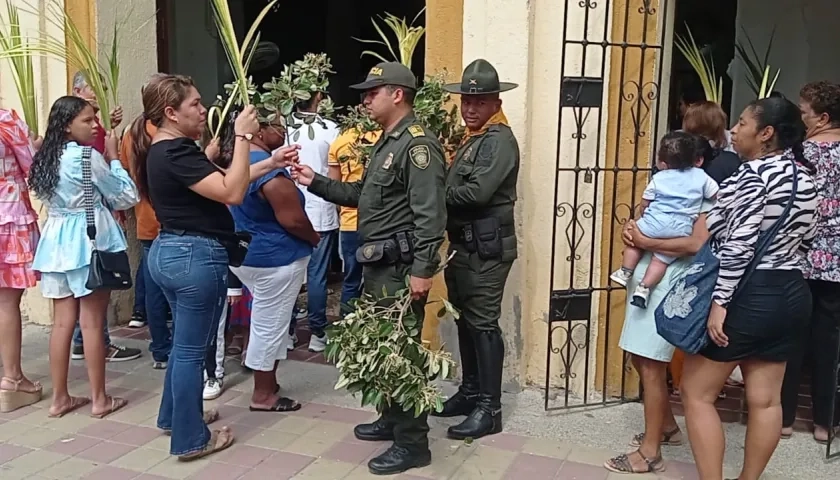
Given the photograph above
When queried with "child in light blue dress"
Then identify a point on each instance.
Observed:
(671, 204)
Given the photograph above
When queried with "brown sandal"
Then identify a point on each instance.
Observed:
(209, 417)
(622, 464)
(212, 446)
(116, 404)
(15, 398)
(667, 437)
(75, 404)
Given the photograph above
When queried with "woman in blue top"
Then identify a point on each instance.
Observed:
(63, 253)
(282, 239)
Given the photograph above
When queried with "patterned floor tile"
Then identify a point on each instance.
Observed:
(141, 459)
(533, 467)
(105, 452)
(243, 455)
(581, 471)
(221, 471)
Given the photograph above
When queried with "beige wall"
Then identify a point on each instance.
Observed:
(137, 43)
(501, 32)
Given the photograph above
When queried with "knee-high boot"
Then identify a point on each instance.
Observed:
(486, 419)
(466, 398)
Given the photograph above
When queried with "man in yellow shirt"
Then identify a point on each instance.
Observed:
(347, 164)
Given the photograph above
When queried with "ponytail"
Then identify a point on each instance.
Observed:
(141, 142)
(799, 155)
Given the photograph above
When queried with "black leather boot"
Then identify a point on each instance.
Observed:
(466, 398)
(398, 459)
(380, 430)
(486, 419)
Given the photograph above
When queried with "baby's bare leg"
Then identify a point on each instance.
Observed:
(654, 273)
(632, 256)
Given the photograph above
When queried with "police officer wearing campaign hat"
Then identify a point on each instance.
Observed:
(402, 219)
(480, 198)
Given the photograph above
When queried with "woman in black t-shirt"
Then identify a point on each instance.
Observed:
(188, 260)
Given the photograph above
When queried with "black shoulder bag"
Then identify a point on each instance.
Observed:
(108, 270)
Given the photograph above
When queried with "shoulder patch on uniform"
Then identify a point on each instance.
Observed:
(419, 156)
(416, 131)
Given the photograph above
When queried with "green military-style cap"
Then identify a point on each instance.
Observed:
(388, 73)
(479, 78)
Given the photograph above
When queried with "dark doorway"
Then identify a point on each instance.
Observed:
(712, 23)
(329, 26)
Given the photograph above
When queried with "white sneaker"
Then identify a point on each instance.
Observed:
(621, 276)
(317, 344)
(213, 388)
(640, 296)
(293, 341)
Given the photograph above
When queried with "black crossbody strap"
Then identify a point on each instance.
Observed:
(87, 187)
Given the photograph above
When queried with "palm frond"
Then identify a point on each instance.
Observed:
(754, 64)
(21, 67)
(712, 84)
(407, 36)
(238, 56)
(768, 85)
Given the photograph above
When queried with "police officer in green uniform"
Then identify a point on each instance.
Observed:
(480, 198)
(402, 219)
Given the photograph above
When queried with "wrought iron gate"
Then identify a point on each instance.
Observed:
(612, 71)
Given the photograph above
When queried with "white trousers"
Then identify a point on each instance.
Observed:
(220, 345)
(274, 291)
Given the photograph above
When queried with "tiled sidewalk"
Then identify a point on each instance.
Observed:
(313, 443)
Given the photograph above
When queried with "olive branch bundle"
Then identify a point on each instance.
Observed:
(377, 354)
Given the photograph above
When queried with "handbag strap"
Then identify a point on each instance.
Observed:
(87, 188)
(766, 237)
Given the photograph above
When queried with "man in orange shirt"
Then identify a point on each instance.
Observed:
(346, 165)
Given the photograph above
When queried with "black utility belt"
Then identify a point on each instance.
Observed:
(236, 243)
(397, 249)
(483, 236)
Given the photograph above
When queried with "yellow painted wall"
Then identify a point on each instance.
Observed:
(444, 43)
(83, 15)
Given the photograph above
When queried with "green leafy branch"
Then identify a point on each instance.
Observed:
(358, 120)
(377, 355)
(298, 82)
(430, 107)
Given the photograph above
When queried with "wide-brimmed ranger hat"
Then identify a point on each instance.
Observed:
(479, 78)
(388, 73)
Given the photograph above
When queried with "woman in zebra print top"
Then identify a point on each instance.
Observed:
(756, 330)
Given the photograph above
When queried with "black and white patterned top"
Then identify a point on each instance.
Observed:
(750, 201)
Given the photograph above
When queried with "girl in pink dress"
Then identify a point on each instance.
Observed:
(18, 238)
